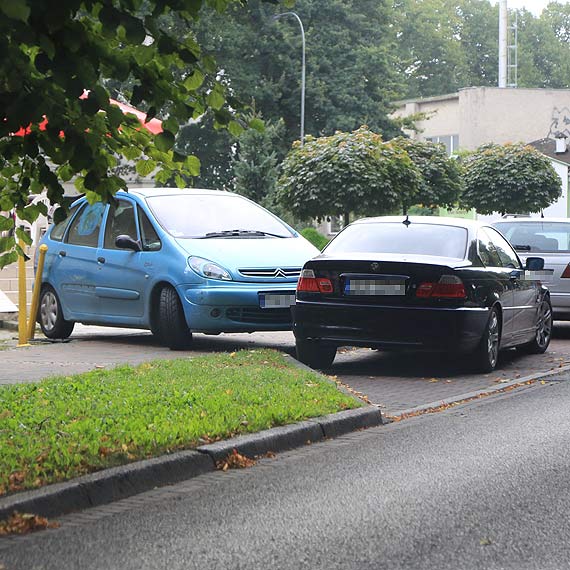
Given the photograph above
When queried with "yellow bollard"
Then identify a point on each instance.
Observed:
(36, 292)
(22, 301)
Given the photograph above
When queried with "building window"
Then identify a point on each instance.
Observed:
(335, 224)
(451, 142)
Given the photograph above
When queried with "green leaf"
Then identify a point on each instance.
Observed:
(131, 152)
(8, 258)
(145, 167)
(6, 223)
(180, 182)
(23, 235)
(235, 128)
(257, 124)
(192, 164)
(194, 81)
(215, 100)
(15, 9)
(164, 141)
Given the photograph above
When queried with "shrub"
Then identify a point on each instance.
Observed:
(316, 238)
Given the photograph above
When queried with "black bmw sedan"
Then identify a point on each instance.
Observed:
(421, 283)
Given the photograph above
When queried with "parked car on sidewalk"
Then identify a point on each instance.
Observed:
(420, 283)
(172, 261)
(549, 238)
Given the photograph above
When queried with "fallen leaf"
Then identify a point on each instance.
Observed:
(16, 479)
(485, 542)
(232, 354)
(22, 523)
(235, 460)
(433, 380)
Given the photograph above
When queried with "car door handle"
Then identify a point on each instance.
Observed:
(62, 253)
(101, 259)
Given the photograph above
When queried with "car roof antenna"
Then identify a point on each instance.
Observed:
(407, 222)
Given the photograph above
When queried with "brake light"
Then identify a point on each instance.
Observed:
(448, 287)
(311, 284)
(566, 272)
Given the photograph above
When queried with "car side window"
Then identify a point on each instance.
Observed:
(120, 222)
(506, 253)
(149, 238)
(84, 229)
(58, 230)
(487, 251)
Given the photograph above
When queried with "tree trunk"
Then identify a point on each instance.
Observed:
(346, 218)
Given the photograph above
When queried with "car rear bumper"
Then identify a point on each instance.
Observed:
(560, 305)
(234, 308)
(391, 328)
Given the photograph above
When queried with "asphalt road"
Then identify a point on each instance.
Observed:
(484, 486)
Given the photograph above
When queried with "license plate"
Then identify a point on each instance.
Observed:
(375, 287)
(276, 300)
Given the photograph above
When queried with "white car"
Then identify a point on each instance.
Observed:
(548, 238)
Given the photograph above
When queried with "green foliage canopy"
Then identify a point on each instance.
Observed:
(509, 178)
(347, 173)
(440, 182)
(53, 51)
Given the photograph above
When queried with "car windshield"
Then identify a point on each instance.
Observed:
(539, 236)
(396, 237)
(215, 216)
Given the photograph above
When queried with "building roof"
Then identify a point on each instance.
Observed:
(548, 148)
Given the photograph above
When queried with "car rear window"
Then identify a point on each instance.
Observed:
(388, 237)
(194, 216)
(539, 236)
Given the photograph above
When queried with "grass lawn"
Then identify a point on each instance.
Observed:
(64, 427)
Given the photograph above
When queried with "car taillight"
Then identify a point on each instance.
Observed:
(566, 272)
(448, 287)
(311, 284)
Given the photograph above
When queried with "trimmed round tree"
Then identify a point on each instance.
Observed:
(346, 173)
(509, 178)
(440, 182)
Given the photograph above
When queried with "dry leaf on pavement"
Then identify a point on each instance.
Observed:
(22, 523)
(235, 460)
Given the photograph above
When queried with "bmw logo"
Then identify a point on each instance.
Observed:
(374, 266)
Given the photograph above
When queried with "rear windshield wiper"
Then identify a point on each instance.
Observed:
(239, 233)
(522, 247)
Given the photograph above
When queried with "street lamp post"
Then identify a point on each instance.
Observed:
(295, 15)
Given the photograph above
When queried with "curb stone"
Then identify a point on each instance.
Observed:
(550, 376)
(118, 483)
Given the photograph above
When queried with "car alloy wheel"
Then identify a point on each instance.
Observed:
(544, 325)
(49, 310)
(493, 339)
(50, 315)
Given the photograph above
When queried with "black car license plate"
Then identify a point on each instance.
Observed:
(375, 287)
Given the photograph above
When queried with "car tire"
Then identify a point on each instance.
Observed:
(172, 328)
(50, 315)
(314, 354)
(486, 355)
(543, 331)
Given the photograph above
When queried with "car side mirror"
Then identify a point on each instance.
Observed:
(127, 242)
(534, 264)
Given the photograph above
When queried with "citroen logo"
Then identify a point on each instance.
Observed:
(279, 273)
(374, 266)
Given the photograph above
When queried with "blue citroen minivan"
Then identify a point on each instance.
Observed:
(172, 261)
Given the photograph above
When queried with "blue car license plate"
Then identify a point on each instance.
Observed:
(276, 300)
(375, 287)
